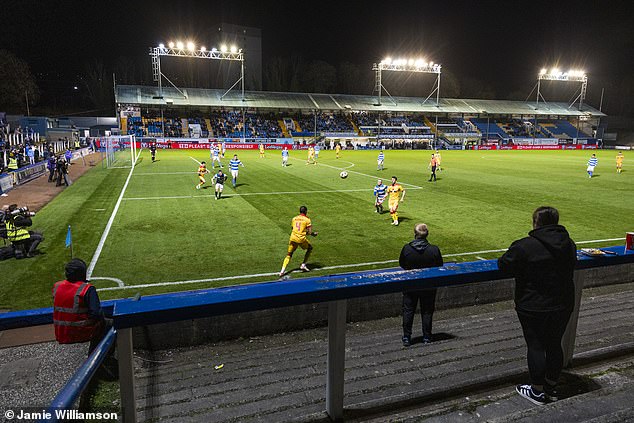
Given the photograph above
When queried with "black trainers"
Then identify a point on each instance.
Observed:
(536, 397)
(407, 341)
(551, 392)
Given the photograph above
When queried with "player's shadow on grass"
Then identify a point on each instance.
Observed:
(239, 185)
(154, 161)
(403, 219)
(594, 176)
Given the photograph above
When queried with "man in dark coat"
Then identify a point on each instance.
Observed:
(543, 265)
(419, 254)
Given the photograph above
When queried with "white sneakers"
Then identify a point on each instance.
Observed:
(304, 268)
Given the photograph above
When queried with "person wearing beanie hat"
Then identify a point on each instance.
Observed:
(77, 314)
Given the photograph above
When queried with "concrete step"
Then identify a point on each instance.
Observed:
(282, 377)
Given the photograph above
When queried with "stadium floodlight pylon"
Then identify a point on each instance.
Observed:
(189, 49)
(406, 65)
(120, 151)
(555, 74)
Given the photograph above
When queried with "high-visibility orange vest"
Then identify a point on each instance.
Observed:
(71, 317)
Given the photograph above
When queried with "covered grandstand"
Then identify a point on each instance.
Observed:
(291, 117)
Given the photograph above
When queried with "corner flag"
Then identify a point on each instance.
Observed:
(69, 238)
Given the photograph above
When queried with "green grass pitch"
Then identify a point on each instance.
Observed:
(166, 231)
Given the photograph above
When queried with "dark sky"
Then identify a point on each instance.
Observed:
(504, 43)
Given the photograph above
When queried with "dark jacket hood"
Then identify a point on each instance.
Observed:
(554, 237)
(419, 245)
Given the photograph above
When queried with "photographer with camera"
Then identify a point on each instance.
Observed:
(16, 221)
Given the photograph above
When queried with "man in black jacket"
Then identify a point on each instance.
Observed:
(419, 254)
(543, 266)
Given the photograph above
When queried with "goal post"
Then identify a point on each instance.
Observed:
(120, 151)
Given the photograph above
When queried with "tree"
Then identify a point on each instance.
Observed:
(319, 77)
(16, 83)
(98, 84)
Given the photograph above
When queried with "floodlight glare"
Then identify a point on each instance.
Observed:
(203, 49)
(234, 49)
(171, 44)
(161, 46)
(223, 48)
(214, 49)
(179, 45)
(410, 62)
(191, 46)
(543, 71)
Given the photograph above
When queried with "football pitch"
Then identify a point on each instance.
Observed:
(149, 230)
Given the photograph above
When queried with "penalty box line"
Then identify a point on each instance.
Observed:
(341, 266)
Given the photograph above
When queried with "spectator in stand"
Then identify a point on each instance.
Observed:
(543, 265)
(28, 150)
(419, 254)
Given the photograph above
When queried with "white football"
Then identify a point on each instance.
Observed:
(343, 174)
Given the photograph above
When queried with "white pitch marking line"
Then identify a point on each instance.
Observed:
(480, 258)
(341, 266)
(106, 231)
(176, 197)
(118, 281)
(164, 173)
(359, 173)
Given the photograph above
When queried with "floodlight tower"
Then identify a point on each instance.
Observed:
(189, 49)
(406, 65)
(555, 74)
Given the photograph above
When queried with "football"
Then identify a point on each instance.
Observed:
(343, 174)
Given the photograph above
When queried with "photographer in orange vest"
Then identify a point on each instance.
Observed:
(77, 314)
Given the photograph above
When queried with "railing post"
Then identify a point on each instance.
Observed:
(336, 358)
(569, 338)
(126, 375)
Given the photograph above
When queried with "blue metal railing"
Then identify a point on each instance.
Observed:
(82, 377)
(335, 289)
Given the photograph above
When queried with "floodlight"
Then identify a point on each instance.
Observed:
(161, 46)
(387, 60)
(234, 49)
(191, 46)
(420, 63)
(410, 62)
(179, 45)
(543, 71)
(223, 48)
(171, 44)
(203, 49)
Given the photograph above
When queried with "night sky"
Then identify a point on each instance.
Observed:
(503, 43)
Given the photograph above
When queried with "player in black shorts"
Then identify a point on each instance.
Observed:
(219, 180)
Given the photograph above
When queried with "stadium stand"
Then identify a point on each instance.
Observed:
(561, 129)
(492, 128)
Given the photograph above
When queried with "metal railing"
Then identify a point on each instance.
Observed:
(80, 380)
(334, 289)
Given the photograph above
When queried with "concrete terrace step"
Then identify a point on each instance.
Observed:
(282, 377)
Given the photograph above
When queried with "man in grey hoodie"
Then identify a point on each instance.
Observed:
(419, 254)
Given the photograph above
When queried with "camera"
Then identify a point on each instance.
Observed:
(22, 211)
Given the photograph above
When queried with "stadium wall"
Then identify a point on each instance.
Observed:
(194, 332)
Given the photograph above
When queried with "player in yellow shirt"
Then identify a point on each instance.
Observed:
(311, 155)
(221, 152)
(393, 192)
(438, 158)
(619, 162)
(202, 171)
(302, 226)
(261, 150)
(337, 150)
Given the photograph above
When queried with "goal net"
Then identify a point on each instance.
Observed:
(120, 151)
